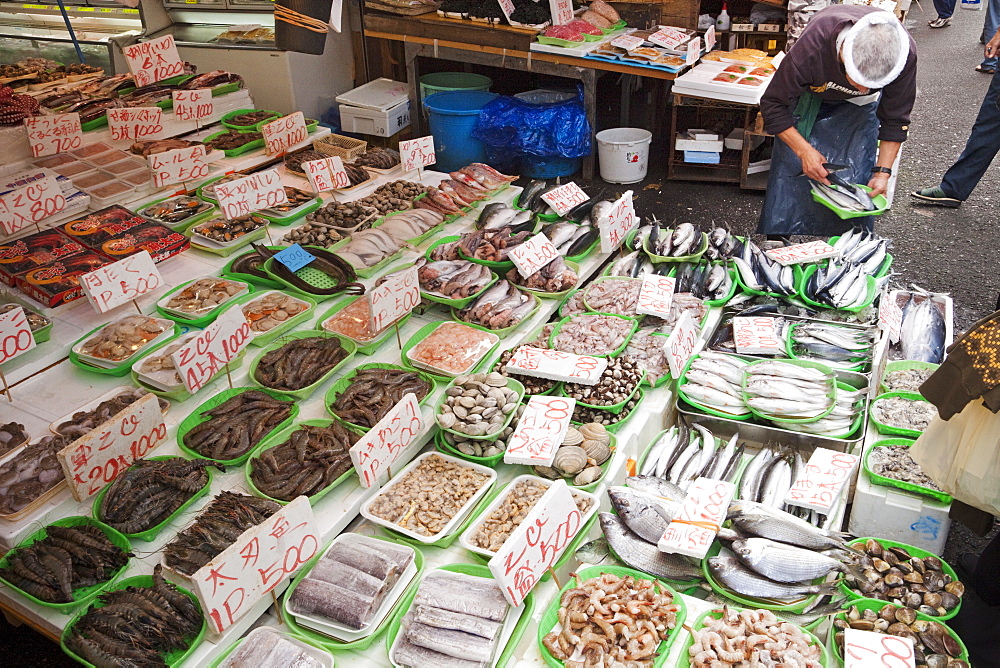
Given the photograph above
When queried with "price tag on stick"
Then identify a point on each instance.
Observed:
(533, 254)
(557, 365)
(757, 336)
(135, 123)
(702, 514)
(628, 42)
(284, 133)
(326, 174)
(668, 37)
(294, 257)
(198, 360)
(153, 61)
(416, 153)
(120, 282)
(15, 334)
(656, 295)
(252, 193)
(618, 224)
(561, 11)
(693, 52)
(378, 449)
(565, 198)
(48, 135)
(801, 253)
(193, 105)
(540, 431)
(178, 166)
(390, 301)
(710, 38)
(868, 649)
(823, 480)
(681, 343)
(30, 204)
(890, 317)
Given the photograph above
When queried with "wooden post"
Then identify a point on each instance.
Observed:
(6, 388)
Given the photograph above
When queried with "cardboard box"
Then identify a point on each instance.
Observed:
(58, 282)
(94, 229)
(161, 242)
(35, 250)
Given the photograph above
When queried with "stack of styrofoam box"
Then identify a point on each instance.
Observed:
(700, 146)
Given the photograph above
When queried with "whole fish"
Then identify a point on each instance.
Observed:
(663, 446)
(637, 553)
(730, 573)
(767, 522)
(530, 193)
(753, 472)
(784, 563)
(646, 515)
(656, 486)
(922, 333)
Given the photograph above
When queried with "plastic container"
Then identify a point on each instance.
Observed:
(266, 337)
(883, 428)
(871, 288)
(438, 82)
(548, 166)
(503, 331)
(808, 364)
(899, 515)
(794, 606)
(880, 201)
(452, 117)
(122, 368)
(901, 365)
(442, 445)
(201, 318)
(315, 652)
(615, 426)
(624, 154)
(614, 353)
(892, 482)
(370, 346)
(512, 384)
(343, 383)
(699, 623)
(304, 392)
(441, 374)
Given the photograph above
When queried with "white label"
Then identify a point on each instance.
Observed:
(31, 204)
(153, 61)
(710, 38)
(193, 105)
(693, 51)
(557, 365)
(565, 198)
(120, 282)
(627, 42)
(561, 10)
(669, 38)
(802, 253)
(135, 123)
(890, 317)
(417, 152)
(259, 560)
(656, 295)
(865, 649)
(378, 449)
(262, 190)
(757, 336)
(100, 456)
(537, 542)
(540, 431)
(681, 343)
(198, 360)
(507, 7)
(392, 300)
(284, 133)
(178, 166)
(618, 224)
(48, 135)
(15, 334)
(822, 480)
(533, 254)
(326, 174)
(702, 514)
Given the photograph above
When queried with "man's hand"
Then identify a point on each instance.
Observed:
(878, 183)
(993, 46)
(812, 165)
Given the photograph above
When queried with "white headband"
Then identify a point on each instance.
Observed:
(847, 52)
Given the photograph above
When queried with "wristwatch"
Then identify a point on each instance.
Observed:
(881, 170)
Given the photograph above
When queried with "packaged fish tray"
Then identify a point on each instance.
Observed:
(884, 428)
(873, 453)
(880, 201)
(156, 373)
(79, 358)
(297, 646)
(271, 313)
(829, 382)
(178, 213)
(703, 620)
(448, 349)
(351, 318)
(304, 392)
(188, 304)
(861, 362)
(659, 259)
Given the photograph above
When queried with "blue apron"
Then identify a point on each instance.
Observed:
(846, 134)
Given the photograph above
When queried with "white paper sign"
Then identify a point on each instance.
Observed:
(669, 38)
(533, 254)
(890, 317)
(540, 431)
(561, 10)
(100, 456)
(135, 123)
(565, 198)
(153, 61)
(262, 190)
(618, 224)
(178, 166)
(557, 365)
(868, 649)
(537, 542)
(259, 560)
(198, 360)
(15, 334)
(507, 7)
(326, 174)
(193, 105)
(823, 479)
(710, 38)
(656, 295)
(48, 135)
(693, 51)
(681, 343)
(757, 336)
(702, 514)
(417, 152)
(120, 282)
(392, 300)
(628, 42)
(30, 204)
(378, 449)
(802, 253)
(284, 133)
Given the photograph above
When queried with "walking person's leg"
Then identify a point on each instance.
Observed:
(944, 9)
(991, 23)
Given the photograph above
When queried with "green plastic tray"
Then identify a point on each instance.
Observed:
(613, 27)
(305, 392)
(734, 283)
(853, 596)
(235, 152)
(290, 635)
(309, 275)
(858, 419)
(150, 534)
(42, 334)
(871, 287)
(441, 242)
(181, 393)
(81, 595)
(614, 353)
(278, 436)
(660, 259)
(499, 267)
(200, 191)
(901, 365)
(423, 333)
(268, 337)
(615, 426)
(256, 126)
(613, 408)
(237, 244)
(345, 382)
(892, 482)
(512, 384)
(424, 236)
(293, 215)
(701, 407)
(444, 446)
(881, 205)
(367, 348)
(592, 486)
(551, 615)
(859, 366)
(445, 541)
(796, 606)
(502, 333)
(204, 320)
(717, 613)
(605, 279)
(195, 418)
(883, 428)
(173, 658)
(566, 299)
(550, 295)
(184, 224)
(364, 272)
(832, 392)
(883, 268)
(260, 282)
(555, 41)
(464, 301)
(125, 367)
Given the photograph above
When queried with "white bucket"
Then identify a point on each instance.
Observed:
(624, 154)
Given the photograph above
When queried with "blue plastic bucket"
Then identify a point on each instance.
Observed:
(549, 167)
(452, 116)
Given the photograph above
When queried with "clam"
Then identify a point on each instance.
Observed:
(863, 625)
(932, 563)
(913, 600)
(890, 558)
(548, 472)
(956, 588)
(898, 628)
(888, 613)
(573, 437)
(894, 580)
(919, 565)
(905, 615)
(928, 610)
(933, 640)
(880, 565)
(936, 661)
(873, 547)
(904, 567)
(901, 553)
(588, 475)
(570, 459)
(595, 432)
(596, 450)
(895, 592)
(919, 625)
(914, 577)
(951, 646)
(853, 614)
(870, 615)
(933, 599)
(447, 420)
(840, 623)
(948, 600)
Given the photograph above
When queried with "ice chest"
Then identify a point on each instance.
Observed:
(380, 108)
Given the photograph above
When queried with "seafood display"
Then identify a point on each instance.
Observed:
(570, 239)
(835, 346)
(232, 139)
(35, 320)
(150, 147)
(906, 380)
(349, 582)
(175, 210)
(452, 279)
(618, 296)
(250, 119)
(681, 455)
(299, 363)
(592, 334)
(590, 610)
(556, 276)
(393, 196)
(159, 369)
(425, 499)
(759, 272)
(635, 551)
(934, 644)
(374, 391)
(531, 384)
(356, 174)
(516, 504)
(208, 190)
(136, 625)
(842, 194)
(780, 390)
(739, 637)
(493, 245)
(379, 158)
(904, 413)
(838, 284)
(312, 234)
(265, 647)
(224, 231)
(310, 460)
(343, 215)
(498, 215)
(354, 322)
(150, 490)
(636, 265)
(768, 477)
(237, 425)
(367, 248)
(894, 461)
(681, 241)
(721, 244)
(296, 197)
(455, 622)
(464, 188)
(704, 280)
(474, 446)
(647, 349)
(922, 333)
(83, 422)
(203, 295)
(216, 528)
(293, 161)
(271, 310)
(500, 307)
(478, 405)
(212, 79)
(891, 573)
(12, 435)
(123, 338)
(616, 384)
(580, 456)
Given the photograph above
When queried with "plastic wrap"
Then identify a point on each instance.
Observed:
(558, 129)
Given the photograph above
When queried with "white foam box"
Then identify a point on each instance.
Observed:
(734, 140)
(684, 143)
(702, 157)
(364, 121)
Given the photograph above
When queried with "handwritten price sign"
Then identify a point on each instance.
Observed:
(98, 458)
(193, 105)
(326, 174)
(294, 257)
(258, 561)
(284, 133)
(153, 61)
(561, 11)
(390, 301)
(865, 649)
(120, 282)
(627, 42)
(668, 37)
(890, 317)
(824, 477)
(656, 295)
(48, 135)
(619, 223)
(135, 123)
(710, 38)
(703, 512)
(693, 52)
(757, 336)
(204, 355)
(537, 542)
(417, 152)
(178, 166)
(681, 343)
(557, 365)
(30, 204)
(376, 451)
(540, 431)
(15, 334)
(253, 193)
(565, 198)
(802, 253)
(533, 254)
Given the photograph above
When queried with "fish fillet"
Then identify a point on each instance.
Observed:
(466, 594)
(347, 577)
(446, 619)
(412, 656)
(315, 597)
(364, 558)
(453, 643)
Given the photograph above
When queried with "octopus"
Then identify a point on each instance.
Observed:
(592, 334)
(556, 276)
(752, 638)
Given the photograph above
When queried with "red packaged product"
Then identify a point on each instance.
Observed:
(20, 255)
(95, 228)
(58, 282)
(161, 242)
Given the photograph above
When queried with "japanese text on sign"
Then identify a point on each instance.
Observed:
(507, 7)
(867, 649)
(417, 152)
(561, 11)
(656, 295)
(284, 133)
(540, 431)
(120, 282)
(376, 451)
(135, 123)
(628, 42)
(668, 37)
(557, 365)
(704, 510)
(823, 478)
(533, 254)
(48, 135)
(15, 334)
(326, 174)
(253, 193)
(198, 360)
(890, 317)
(193, 105)
(693, 52)
(258, 561)
(681, 343)
(536, 543)
(153, 61)
(618, 224)
(710, 38)
(294, 257)
(178, 166)
(30, 204)
(565, 198)
(100, 456)
(757, 336)
(390, 301)
(802, 253)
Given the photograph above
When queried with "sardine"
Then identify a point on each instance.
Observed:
(638, 554)
(730, 573)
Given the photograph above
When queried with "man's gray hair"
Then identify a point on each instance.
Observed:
(875, 50)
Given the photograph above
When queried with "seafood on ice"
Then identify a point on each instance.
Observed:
(478, 405)
(516, 504)
(501, 306)
(299, 363)
(580, 456)
(592, 334)
(752, 638)
(237, 425)
(452, 349)
(311, 459)
(374, 391)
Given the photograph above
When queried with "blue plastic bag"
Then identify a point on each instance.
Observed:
(558, 129)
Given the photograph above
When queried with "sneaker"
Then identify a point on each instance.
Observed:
(939, 22)
(935, 195)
